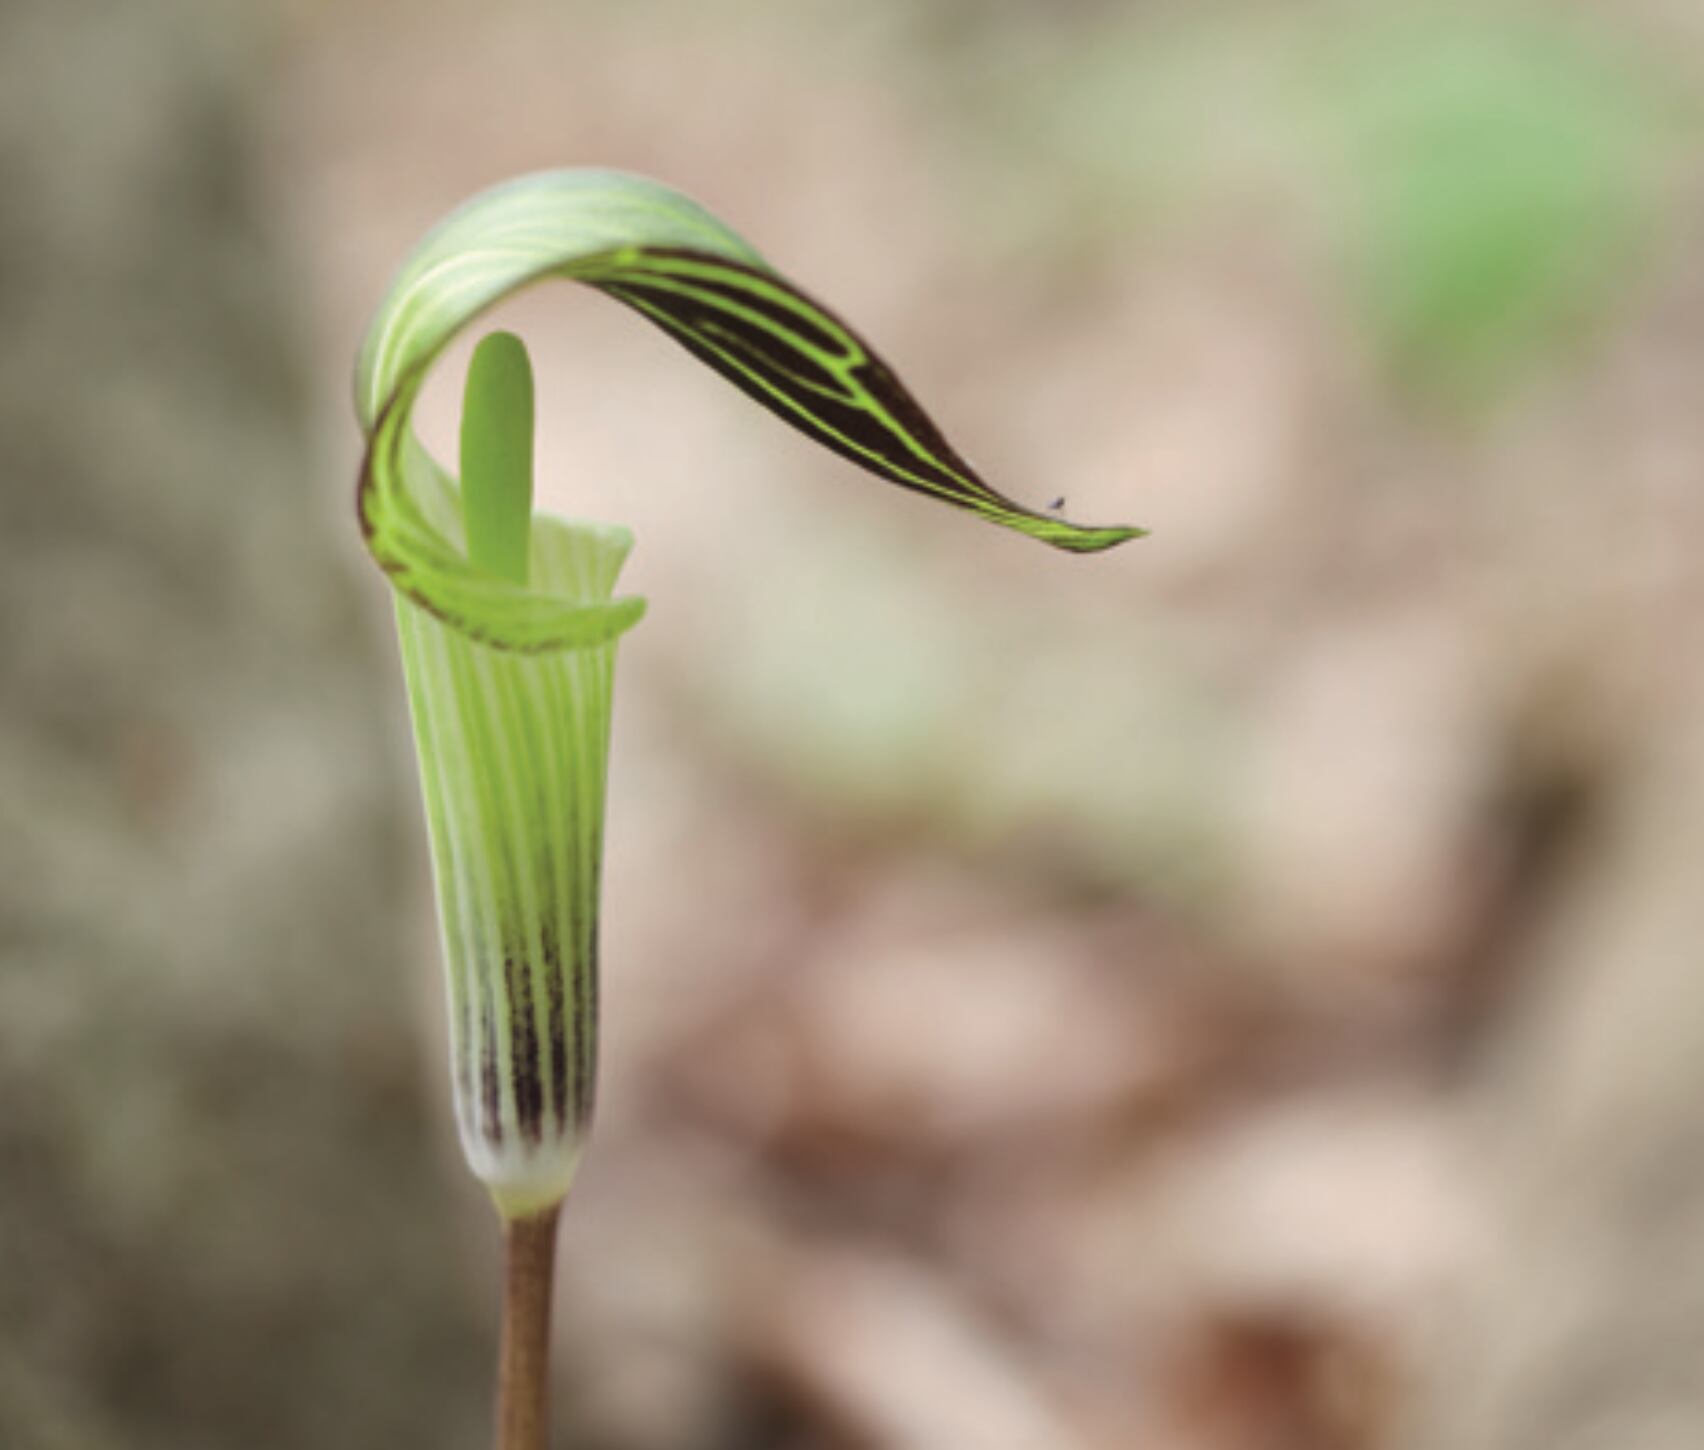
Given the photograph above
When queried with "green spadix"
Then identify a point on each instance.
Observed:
(497, 457)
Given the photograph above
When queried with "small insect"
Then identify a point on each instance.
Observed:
(1057, 506)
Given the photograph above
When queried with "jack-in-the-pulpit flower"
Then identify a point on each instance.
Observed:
(512, 749)
(508, 627)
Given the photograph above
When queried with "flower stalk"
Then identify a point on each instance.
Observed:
(523, 1356)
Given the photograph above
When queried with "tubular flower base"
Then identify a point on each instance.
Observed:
(512, 754)
(508, 624)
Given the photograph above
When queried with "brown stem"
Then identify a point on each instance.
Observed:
(523, 1358)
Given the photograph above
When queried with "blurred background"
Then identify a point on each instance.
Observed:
(1241, 992)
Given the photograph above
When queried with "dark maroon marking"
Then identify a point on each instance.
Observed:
(854, 422)
(556, 994)
(523, 1047)
(754, 301)
(586, 1034)
(774, 358)
(873, 373)
(490, 1081)
(467, 1028)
